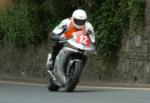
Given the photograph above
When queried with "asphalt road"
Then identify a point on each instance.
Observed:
(22, 93)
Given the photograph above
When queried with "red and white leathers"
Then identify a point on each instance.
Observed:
(66, 27)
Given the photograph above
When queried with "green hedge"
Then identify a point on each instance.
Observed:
(28, 22)
(111, 18)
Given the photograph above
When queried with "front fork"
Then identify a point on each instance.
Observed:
(70, 64)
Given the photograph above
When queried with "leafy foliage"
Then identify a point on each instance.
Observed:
(29, 21)
(110, 19)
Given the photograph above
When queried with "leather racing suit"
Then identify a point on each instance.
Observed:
(64, 31)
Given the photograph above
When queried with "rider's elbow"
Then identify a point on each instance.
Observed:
(54, 37)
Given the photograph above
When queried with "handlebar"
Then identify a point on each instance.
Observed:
(62, 41)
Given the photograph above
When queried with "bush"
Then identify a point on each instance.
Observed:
(25, 23)
(16, 24)
(29, 21)
(110, 19)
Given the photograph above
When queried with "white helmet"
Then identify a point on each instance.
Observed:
(79, 17)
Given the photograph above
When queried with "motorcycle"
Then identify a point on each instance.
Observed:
(70, 62)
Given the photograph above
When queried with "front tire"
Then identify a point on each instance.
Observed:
(74, 75)
(51, 86)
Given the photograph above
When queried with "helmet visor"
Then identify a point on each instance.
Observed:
(79, 22)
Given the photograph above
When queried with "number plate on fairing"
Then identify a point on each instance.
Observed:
(81, 38)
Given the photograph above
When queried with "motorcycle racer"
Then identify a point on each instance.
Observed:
(78, 22)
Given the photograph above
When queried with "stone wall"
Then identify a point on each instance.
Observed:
(134, 56)
(23, 63)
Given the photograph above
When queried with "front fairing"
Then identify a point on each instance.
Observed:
(71, 46)
(77, 44)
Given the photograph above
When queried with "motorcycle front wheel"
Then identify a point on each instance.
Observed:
(73, 76)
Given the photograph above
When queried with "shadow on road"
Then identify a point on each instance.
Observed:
(88, 90)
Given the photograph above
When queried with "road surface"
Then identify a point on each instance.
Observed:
(30, 93)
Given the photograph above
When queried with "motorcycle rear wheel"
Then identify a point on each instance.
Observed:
(51, 86)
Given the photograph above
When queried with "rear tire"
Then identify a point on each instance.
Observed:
(73, 79)
(51, 86)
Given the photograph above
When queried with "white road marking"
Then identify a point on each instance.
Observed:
(89, 87)
(21, 83)
(116, 88)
